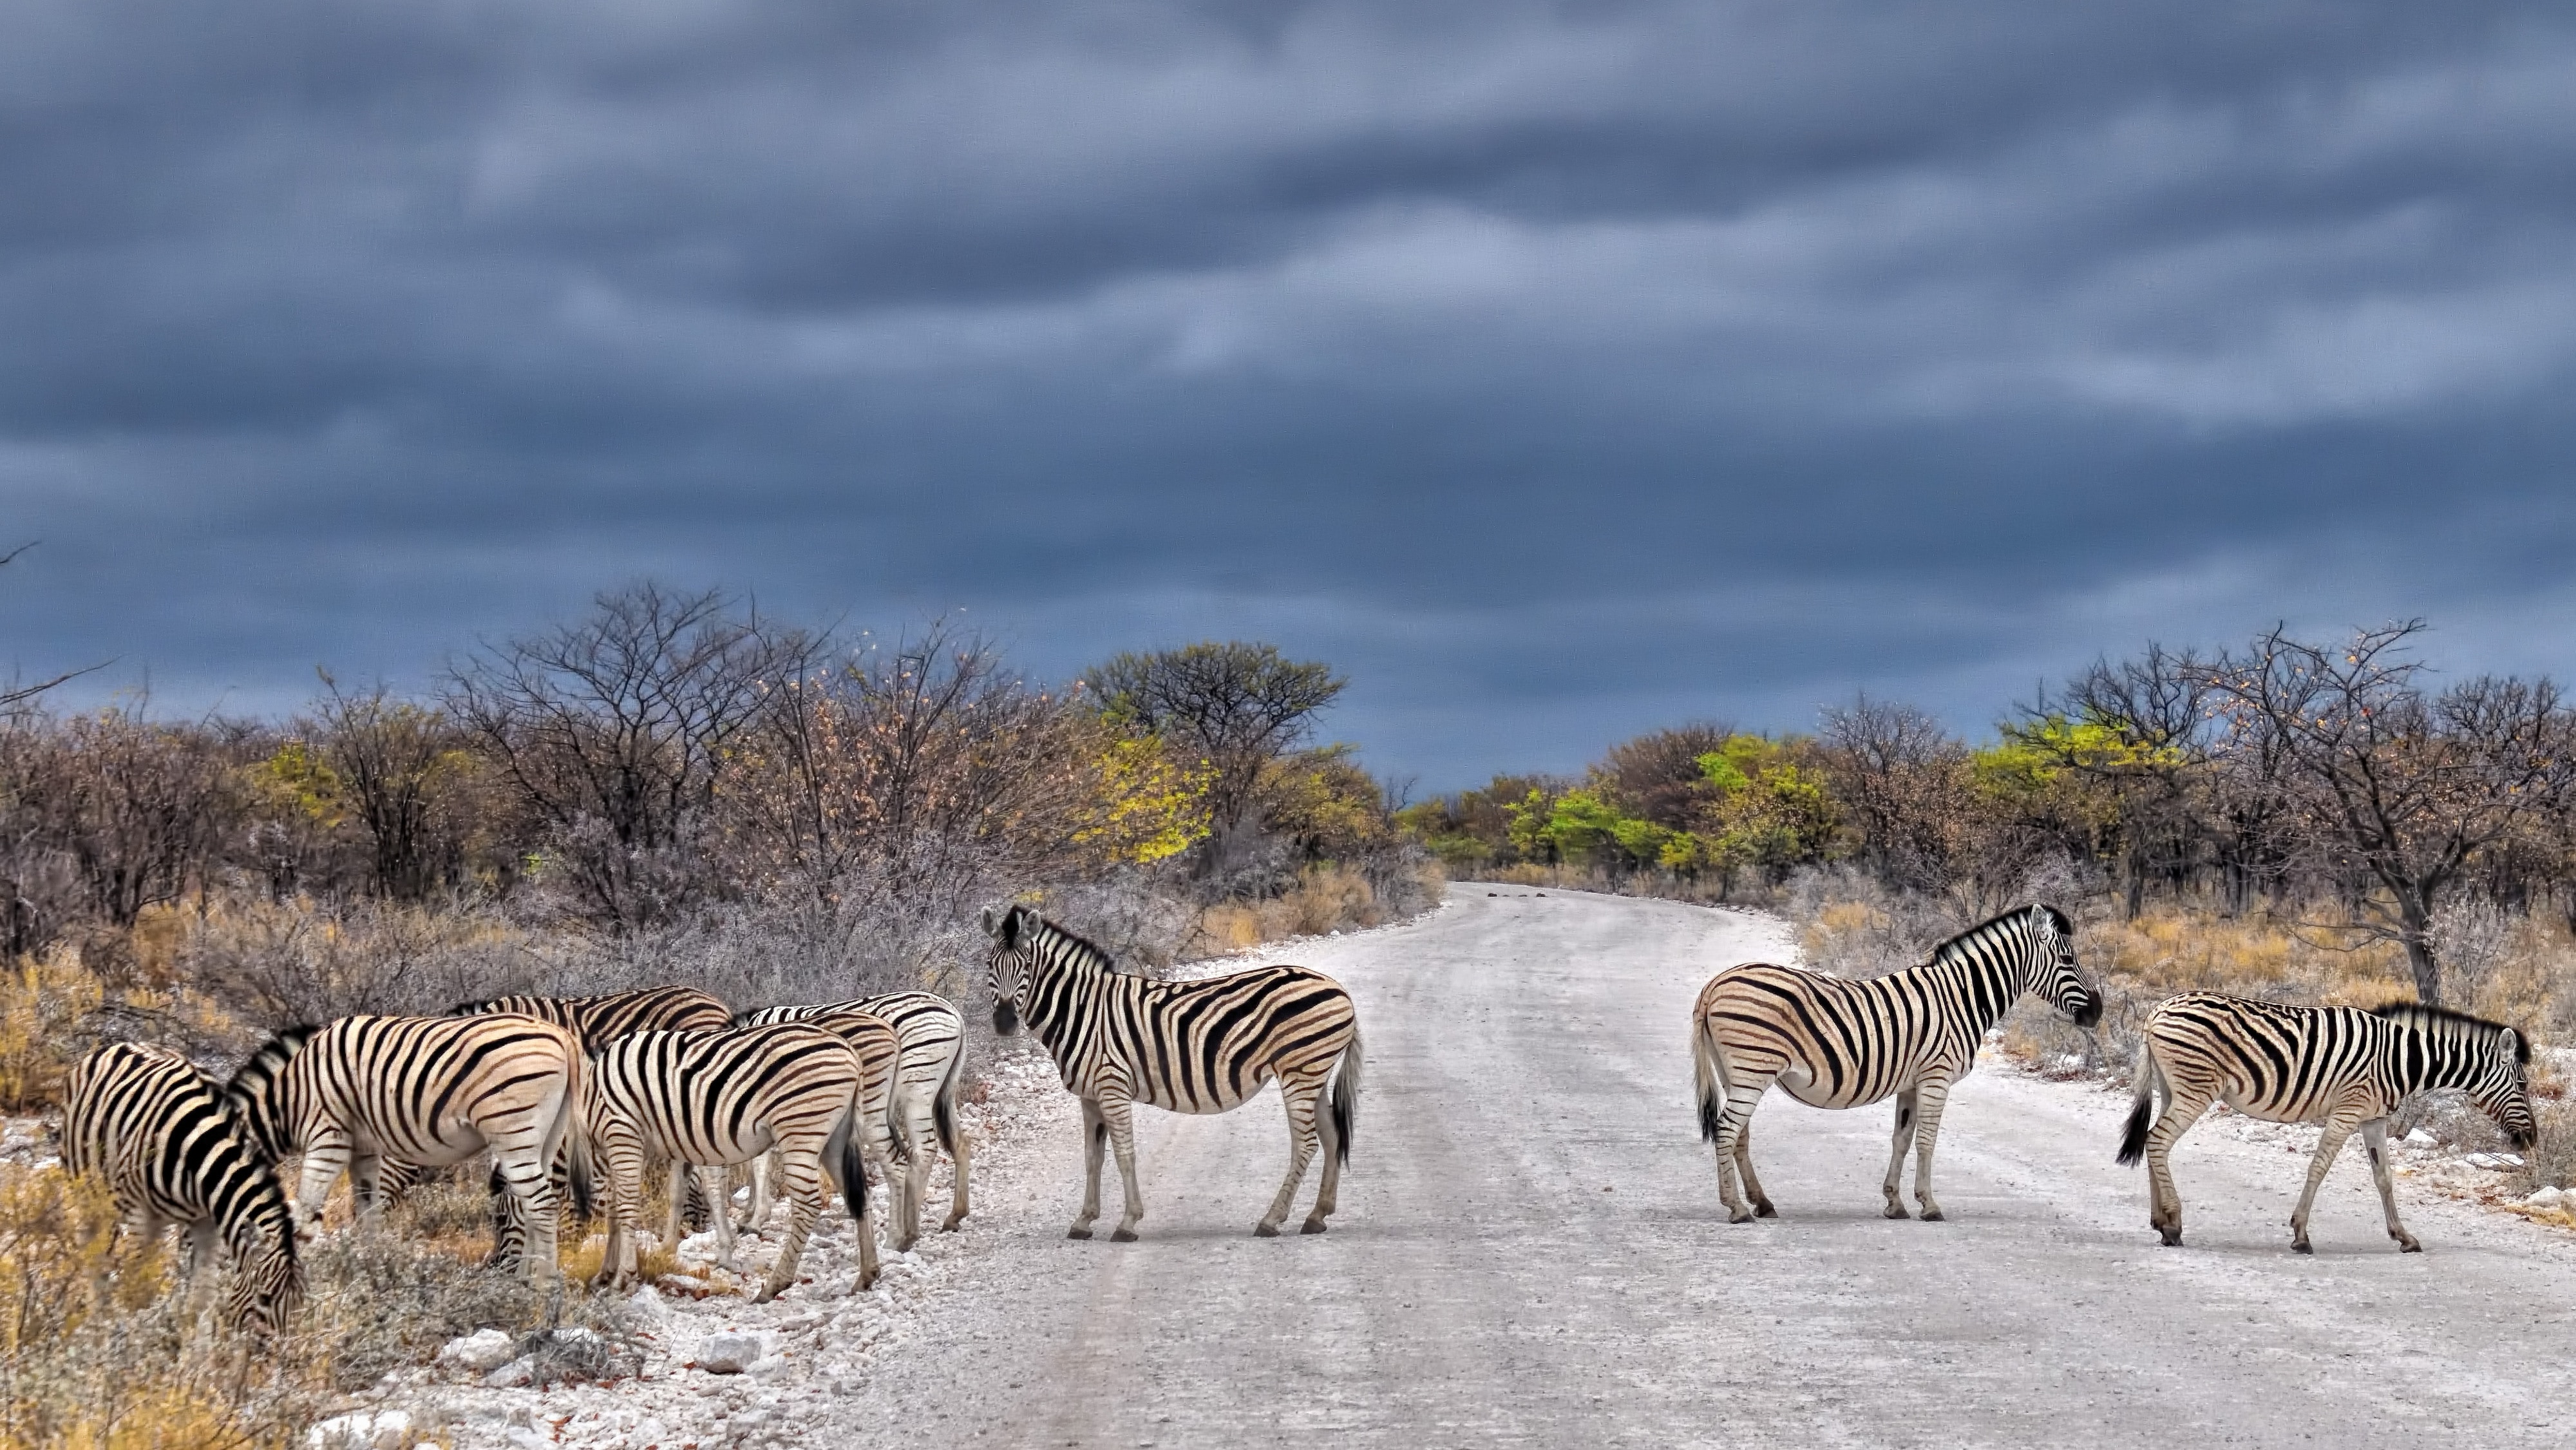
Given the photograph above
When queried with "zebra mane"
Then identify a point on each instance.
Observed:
(2418, 1015)
(245, 1093)
(1101, 958)
(1956, 947)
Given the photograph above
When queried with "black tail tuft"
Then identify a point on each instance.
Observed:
(2133, 1142)
(854, 1175)
(1711, 1112)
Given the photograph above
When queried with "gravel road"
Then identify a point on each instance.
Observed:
(1530, 1251)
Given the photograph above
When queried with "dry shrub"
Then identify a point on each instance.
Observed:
(1325, 898)
(44, 1000)
(275, 963)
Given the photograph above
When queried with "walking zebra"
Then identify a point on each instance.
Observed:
(933, 1034)
(2339, 1066)
(1186, 1047)
(166, 1141)
(1836, 1043)
(720, 1098)
(424, 1090)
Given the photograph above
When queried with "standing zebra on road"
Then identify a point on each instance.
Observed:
(425, 1090)
(2339, 1066)
(1185, 1047)
(172, 1152)
(720, 1098)
(933, 1034)
(1835, 1043)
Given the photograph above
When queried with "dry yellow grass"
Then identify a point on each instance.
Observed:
(1325, 898)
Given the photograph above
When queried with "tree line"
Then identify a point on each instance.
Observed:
(2337, 782)
(671, 750)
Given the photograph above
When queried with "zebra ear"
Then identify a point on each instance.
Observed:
(991, 928)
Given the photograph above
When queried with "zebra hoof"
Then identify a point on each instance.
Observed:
(1311, 1226)
(2303, 1247)
(1123, 1236)
(1896, 1210)
(1764, 1209)
(1077, 1233)
(1265, 1230)
(2171, 1236)
(1931, 1215)
(1740, 1215)
(949, 1224)
(2409, 1246)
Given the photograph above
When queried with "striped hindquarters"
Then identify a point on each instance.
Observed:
(932, 1033)
(165, 1139)
(715, 1098)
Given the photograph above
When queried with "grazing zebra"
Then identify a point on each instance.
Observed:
(1836, 1043)
(933, 1034)
(426, 1090)
(1186, 1047)
(2339, 1066)
(719, 1098)
(172, 1152)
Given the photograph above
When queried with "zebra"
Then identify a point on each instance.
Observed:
(600, 1020)
(165, 1139)
(933, 1034)
(1186, 1047)
(719, 1098)
(2340, 1066)
(424, 1090)
(1836, 1043)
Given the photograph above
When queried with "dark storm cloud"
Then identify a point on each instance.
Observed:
(1558, 370)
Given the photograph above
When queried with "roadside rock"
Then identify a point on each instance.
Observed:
(732, 1351)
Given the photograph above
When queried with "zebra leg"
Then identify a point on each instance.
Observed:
(1095, 1137)
(540, 1207)
(1896, 1155)
(801, 1174)
(1744, 1170)
(1300, 1102)
(713, 1183)
(326, 1157)
(2374, 1137)
(203, 1241)
(2183, 1108)
(1328, 1141)
(956, 1189)
(366, 1183)
(1929, 1100)
(2329, 1143)
(1118, 1114)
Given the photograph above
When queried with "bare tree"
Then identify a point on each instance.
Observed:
(2155, 711)
(1239, 705)
(1899, 773)
(1658, 775)
(399, 765)
(2403, 789)
(610, 731)
(132, 809)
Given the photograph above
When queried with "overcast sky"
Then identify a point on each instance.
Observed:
(1556, 371)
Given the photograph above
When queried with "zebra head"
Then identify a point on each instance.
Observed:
(268, 1285)
(2053, 971)
(255, 1097)
(2489, 1061)
(1007, 971)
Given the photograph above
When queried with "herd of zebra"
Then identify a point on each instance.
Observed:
(560, 1090)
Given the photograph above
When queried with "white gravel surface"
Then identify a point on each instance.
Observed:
(1530, 1251)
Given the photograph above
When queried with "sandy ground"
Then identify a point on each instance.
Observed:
(1530, 1251)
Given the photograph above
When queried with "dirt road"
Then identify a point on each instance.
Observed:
(1530, 1251)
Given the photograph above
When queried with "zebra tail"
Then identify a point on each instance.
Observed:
(943, 1106)
(898, 1126)
(576, 1140)
(1346, 1096)
(1708, 1066)
(2142, 1110)
(854, 1166)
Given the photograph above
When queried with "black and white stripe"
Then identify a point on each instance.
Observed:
(713, 1099)
(2339, 1066)
(933, 1034)
(165, 1139)
(603, 1019)
(426, 1090)
(1186, 1047)
(1836, 1043)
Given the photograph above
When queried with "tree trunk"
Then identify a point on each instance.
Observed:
(2415, 915)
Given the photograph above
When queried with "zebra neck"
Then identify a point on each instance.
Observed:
(1059, 980)
(1986, 989)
